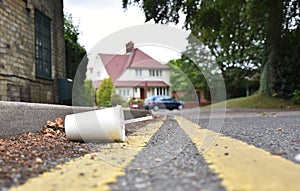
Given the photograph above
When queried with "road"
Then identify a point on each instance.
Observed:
(191, 150)
(276, 131)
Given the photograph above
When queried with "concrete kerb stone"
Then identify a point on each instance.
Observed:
(20, 117)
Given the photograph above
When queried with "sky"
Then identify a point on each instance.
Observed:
(97, 19)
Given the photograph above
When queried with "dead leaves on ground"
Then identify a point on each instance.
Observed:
(53, 129)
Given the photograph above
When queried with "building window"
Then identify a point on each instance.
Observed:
(124, 92)
(155, 72)
(138, 72)
(42, 45)
(161, 91)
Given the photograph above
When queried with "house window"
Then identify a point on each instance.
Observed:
(138, 72)
(161, 91)
(42, 45)
(151, 72)
(124, 92)
(155, 72)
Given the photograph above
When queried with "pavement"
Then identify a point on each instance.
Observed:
(190, 150)
(20, 117)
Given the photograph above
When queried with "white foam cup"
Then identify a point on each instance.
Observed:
(99, 125)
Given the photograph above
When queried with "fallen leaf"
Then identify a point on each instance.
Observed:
(156, 116)
(51, 124)
(277, 153)
(157, 160)
(263, 113)
(39, 160)
(59, 123)
(296, 141)
(2, 142)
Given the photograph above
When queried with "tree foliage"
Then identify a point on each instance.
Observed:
(76, 64)
(105, 91)
(74, 51)
(83, 93)
(89, 92)
(186, 76)
(242, 34)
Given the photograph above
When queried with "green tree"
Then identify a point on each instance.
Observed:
(76, 64)
(117, 99)
(89, 92)
(79, 97)
(190, 75)
(105, 91)
(74, 51)
(240, 33)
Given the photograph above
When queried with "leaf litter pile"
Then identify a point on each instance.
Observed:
(30, 154)
(27, 155)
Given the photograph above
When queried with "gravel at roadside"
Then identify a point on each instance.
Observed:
(30, 154)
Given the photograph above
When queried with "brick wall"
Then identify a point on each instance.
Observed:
(18, 81)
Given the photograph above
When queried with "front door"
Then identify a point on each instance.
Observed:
(142, 94)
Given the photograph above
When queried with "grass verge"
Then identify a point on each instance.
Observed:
(257, 101)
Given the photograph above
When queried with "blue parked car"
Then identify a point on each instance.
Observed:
(162, 102)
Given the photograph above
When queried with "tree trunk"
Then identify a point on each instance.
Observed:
(274, 30)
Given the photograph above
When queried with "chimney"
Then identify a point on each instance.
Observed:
(129, 47)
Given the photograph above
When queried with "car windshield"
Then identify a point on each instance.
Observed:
(164, 98)
(150, 99)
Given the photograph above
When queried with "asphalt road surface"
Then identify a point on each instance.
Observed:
(276, 131)
(190, 150)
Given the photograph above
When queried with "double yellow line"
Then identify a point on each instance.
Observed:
(242, 166)
(239, 165)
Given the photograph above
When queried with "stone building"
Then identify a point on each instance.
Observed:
(32, 50)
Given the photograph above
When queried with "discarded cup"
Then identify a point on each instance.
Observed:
(99, 125)
(297, 158)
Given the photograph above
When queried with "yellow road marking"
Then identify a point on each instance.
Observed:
(242, 166)
(93, 171)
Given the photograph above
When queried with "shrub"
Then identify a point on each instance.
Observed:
(104, 92)
(296, 97)
(116, 99)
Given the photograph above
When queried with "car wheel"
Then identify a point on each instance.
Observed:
(180, 107)
(155, 108)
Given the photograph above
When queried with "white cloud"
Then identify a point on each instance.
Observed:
(100, 18)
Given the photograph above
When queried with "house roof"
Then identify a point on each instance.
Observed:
(143, 60)
(116, 64)
(156, 83)
(141, 84)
